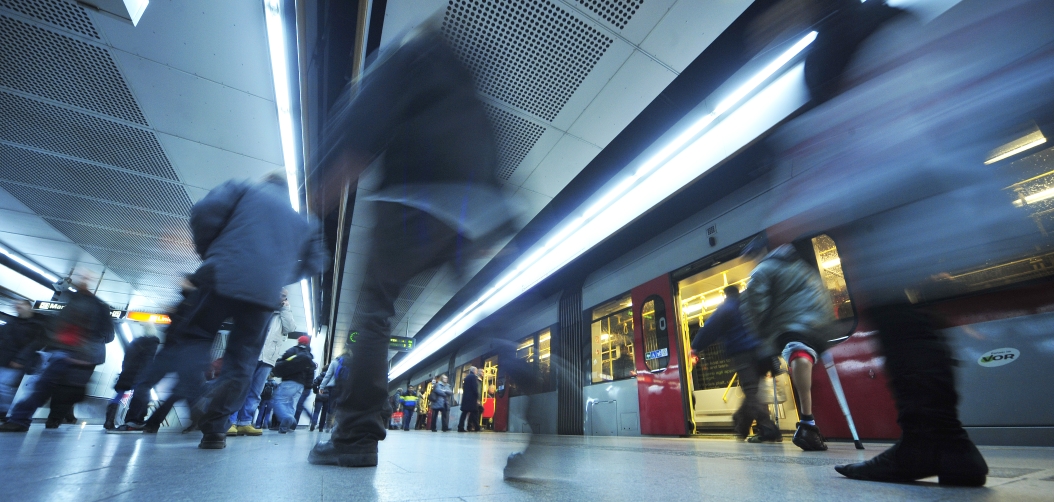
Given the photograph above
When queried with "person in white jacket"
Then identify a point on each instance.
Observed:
(280, 326)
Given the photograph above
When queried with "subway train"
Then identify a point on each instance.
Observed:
(939, 194)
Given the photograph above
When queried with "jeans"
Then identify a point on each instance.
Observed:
(62, 382)
(405, 242)
(244, 416)
(408, 413)
(446, 418)
(300, 408)
(750, 369)
(319, 416)
(10, 379)
(285, 397)
(246, 339)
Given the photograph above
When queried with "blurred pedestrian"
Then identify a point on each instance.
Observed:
(440, 402)
(725, 325)
(281, 324)
(78, 344)
(469, 402)
(417, 105)
(408, 401)
(20, 339)
(296, 368)
(253, 244)
(139, 355)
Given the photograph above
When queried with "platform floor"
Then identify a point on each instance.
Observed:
(84, 464)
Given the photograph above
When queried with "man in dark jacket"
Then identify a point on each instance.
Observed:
(78, 344)
(469, 402)
(726, 325)
(253, 243)
(139, 355)
(417, 105)
(20, 339)
(439, 402)
(297, 370)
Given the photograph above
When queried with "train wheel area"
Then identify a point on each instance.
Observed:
(87, 464)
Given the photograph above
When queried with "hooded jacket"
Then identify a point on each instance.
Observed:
(281, 325)
(786, 295)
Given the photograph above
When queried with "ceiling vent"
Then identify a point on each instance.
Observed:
(531, 54)
(616, 12)
(117, 240)
(53, 128)
(58, 13)
(60, 68)
(515, 135)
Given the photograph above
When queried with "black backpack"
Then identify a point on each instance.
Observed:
(267, 391)
(293, 365)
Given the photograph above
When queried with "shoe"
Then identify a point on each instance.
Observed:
(150, 429)
(52, 424)
(954, 461)
(13, 427)
(283, 430)
(765, 438)
(517, 467)
(311, 429)
(233, 431)
(360, 454)
(213, 441)
(111, 415)
(248, 430)
(808, 438)
(459, 429)
(128, 428)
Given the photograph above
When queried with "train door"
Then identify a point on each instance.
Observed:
(713, 382)
(488, 391)
(658, 361)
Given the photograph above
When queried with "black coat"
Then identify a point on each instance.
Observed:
(19, 339)
(306, 376)
(470, 397)
(83, 328)
(139, 355)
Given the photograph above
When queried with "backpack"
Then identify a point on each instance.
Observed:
(293, 365)
(267, 391)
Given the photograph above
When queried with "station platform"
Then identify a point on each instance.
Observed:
(85, 464)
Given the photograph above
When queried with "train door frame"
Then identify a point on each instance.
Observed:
(660, 412)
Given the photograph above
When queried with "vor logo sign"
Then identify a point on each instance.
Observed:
(998, 357)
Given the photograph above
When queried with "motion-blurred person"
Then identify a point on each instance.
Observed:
(396, 421)
(408, 401)
(282, 323)
(296, 368)
(254, 244)
(895, 164)
(440, 193)
(301, 404)
(78, 344)
(266, 408)
(440, 402)
(789, 308)
(469, 402)
(20, 339)
(326, 382)
(725, 325)
(139, 355)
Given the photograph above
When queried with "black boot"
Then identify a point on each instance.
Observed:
(111, 415)
(919, 366)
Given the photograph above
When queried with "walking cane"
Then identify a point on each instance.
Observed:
(836, 384)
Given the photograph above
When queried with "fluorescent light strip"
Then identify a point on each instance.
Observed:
(30, 265)
(127, 332)
(1030, 141)
(305, 289)
(280, 73)
(672, 167)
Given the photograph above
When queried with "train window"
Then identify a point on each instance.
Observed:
(830, 266)
(544, 361)
(656, 335)
(525, 350)
(612, 341)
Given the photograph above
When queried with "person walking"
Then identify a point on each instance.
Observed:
(296, 368)
(439, 200)
(139, 355)
(469, 402)
(789, 308)
(725, 325)
(409, 403)
(281, 324)
(325, 390)
(20, 339)
(252, 244)
(440, 402)
(78, 344)
(266, 408)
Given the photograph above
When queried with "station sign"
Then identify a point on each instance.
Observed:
(656, 354)
(148, 317)
(399, 343)
(56, 306)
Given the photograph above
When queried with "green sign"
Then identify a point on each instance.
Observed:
(400, 343)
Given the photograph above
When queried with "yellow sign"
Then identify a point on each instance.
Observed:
(148, 317)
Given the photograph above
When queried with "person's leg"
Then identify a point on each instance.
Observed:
(300, 408)
(446, 419)
(920, 368)
(239, 361)
(20, 416)
(10, 379)
(434, 419)
(461, 421)
(252, 399)
(160, 414)
(801, 374)
(285, 397)
(801, 358)
(408, 415)
(164, 362)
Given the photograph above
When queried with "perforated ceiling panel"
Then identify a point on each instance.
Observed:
(616, 12)
(58, 13)
(516, 136)
(54, 66)
(531, 54)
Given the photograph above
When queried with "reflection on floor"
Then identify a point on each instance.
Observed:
(84, 464)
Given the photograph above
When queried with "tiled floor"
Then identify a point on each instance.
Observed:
(85, 464)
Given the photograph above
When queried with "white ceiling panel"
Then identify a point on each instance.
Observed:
(196, 193)
(605, 69)
(401, 16)
(28, 224)
(46, 247)
(534, 202)
(563, 163)
(541, 148)
(631, 90)
(689, 27)
(184, 105)
(9, 203)
(204, 166)
(216, 40)
(645, 16)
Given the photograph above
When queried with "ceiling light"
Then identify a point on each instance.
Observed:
(127, 332)
(1026, 142)
(280, 71)
(718, 300)
(691, 309)
(729, 126)
(305, 289)
(30, 265)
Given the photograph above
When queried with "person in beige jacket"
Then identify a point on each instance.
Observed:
(280, 326)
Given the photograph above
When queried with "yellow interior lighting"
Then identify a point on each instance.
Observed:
(1030, 140)
(148, 317)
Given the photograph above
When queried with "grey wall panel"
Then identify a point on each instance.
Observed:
(618, 401)
(533, 414)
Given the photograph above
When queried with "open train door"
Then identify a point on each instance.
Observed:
(657, 356)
